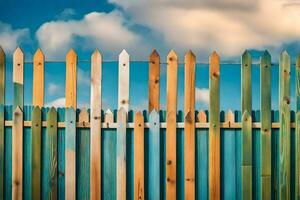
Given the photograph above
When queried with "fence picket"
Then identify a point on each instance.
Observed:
(121, 154)
(154, 81)
(139, 190)
(123, 89)
(172, 73)
(70, 154)
(95, 135)
(214, 126)
(71, 79)
(189, 125)
(18, 78)
(285, 135)
(297, 131)
(246, 126)
(36, 132)
(265, 138)
(154, 160)
(38, 79)
(2, 103)
(17, 154)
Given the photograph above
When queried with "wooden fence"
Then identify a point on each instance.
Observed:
(67, 153)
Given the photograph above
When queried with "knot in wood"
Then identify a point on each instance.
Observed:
(169, 162)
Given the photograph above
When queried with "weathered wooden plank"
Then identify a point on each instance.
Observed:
(285, 129)
(265, 138)
(214, 126)
(189, 125)
(154, 188)
(70, 154)
(121, 154)
(17, 154)
(95, 135)
(139, 177)
(246, 126)
(297, 131)
(18, 78)
(71, 79)
(2, 102)
(154, 80)
(82, 158)
(38, 79)
(172, 73)
(36, 132)
(123, 89)
(49, 181)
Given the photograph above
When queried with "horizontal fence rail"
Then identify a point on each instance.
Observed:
(70, 153)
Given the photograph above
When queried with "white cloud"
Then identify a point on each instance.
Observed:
(83, 77)
(53, 88)
(229, 26)
(202, 95)
(107, 31)
(59, 102)
(66, 14)
(11, 38)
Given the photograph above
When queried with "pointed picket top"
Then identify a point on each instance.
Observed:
(97, 55)
(265, 59)
(18, 110)
(172, 56)
(154, 55)
(214, 61)
(246, 54)
(38, 78)
(52, 110)
(2, 53)
(18, 52)
(246, 116)
(229, 116)
(36, 109)
(154, 116)
(109, 116)
(188, 117)
(71, 79)
(71, 54)
(190, 55)
(18, 63)
(202, 118)
(154, 112)
(38, 54)
(124, 55)
(139, 118)
(246, 59)
(84, 116)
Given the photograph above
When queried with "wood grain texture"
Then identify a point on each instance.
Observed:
(50, 158)
(2, 102)
(154, 81)
(246, 87)
(265, 138)
(189, 125)
(95, 134)
(154, 188)
(38, 79)
(17, 155)
(18, 78)
(121, 154)
(123, 89)
(71, 79)
(70, 154)
(172, 73)
(139, 175)
(284, 118)
(36, 132)
(297, 131)
(214, 126)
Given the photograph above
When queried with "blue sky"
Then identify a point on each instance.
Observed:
(228, 26)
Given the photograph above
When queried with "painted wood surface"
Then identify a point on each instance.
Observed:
(18, 78)
(172, 73)
(189, 125)
(123, 89)
(214, 126)
(95, 141)
(265, 137)
(246, 86)
(70, 154)
(154, 81)
(17, 154)
(71, 79)
(139, 174)
(50, 157)
(36, 132)
(2, 103)
(297, 131)
(38, 79)
(121, 154)
(285, 134)
(154, 188)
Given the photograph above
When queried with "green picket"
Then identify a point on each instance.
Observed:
(265, 137)
(36, 131)
(2, 102)
(297, 131)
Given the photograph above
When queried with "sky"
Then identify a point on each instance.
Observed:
(227, 26)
